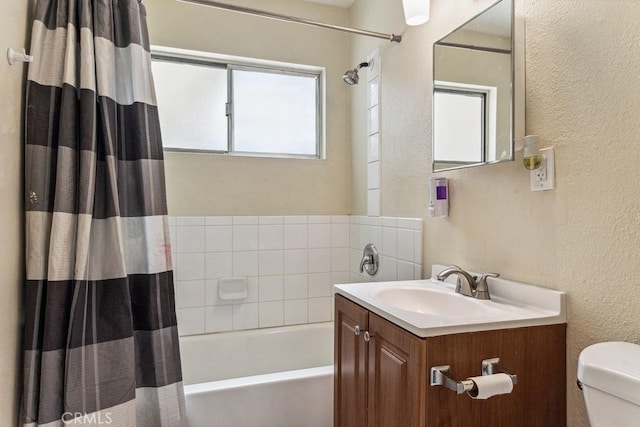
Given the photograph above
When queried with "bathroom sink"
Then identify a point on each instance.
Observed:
(431, 307)
(420, 299)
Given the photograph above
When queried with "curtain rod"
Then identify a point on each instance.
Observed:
(278, 17)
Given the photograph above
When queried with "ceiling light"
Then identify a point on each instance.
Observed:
(416, 12)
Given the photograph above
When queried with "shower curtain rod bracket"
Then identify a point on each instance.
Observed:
(395, 38)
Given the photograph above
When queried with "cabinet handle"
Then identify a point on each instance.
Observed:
(356, 330)
(367, 336)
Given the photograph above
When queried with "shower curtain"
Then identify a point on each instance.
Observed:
(101, 343)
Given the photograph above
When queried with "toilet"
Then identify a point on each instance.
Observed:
(610, 376)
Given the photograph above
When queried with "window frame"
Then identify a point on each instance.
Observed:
(489, 95)
(482, 96)
(231, 63)
(282, 71)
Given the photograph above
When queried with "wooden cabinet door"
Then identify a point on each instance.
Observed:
(535, 354)
(397, 376)
(351, 364)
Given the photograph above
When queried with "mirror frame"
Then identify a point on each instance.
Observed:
(517, 88)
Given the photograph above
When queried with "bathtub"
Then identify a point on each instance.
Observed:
(276, 377)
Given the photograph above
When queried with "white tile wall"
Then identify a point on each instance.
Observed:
(218, 238)
(373, 149)
(193, 266)
(296, 311)
(295, 261)
(319, 235)
(246, 263)
(319, 285)
(340, 235)
(373, 120)
(218, 220)
(373, 94)
(190, 220)
(320, 309)
(295, 236)
(399, 244)
(373, 134)
(190, 320)
(218, 318)
(290, 262)
(271, 288)
(271, 314)
(191, 240)
(271, 263)
(245, 316)
(319, 260)
(373, 175)
(190, 293)
(295, 286)
(245, 237)
(271, 237)
(218, 264)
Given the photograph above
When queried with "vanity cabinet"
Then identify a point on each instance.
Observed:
(382, 374)
(351, 364)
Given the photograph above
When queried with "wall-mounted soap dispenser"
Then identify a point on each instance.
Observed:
(438, 197)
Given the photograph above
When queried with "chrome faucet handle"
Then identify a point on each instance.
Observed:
(370, 260)
(482, 288)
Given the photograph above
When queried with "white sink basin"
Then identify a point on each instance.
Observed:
(431, 308)
(419, 299)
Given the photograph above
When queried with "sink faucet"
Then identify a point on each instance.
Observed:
(467, 284)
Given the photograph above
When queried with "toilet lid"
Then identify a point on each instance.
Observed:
(613, 367)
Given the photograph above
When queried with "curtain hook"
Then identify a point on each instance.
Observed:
(13, 56)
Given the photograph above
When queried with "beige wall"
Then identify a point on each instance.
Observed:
(201, 184)
(582, 97)
(13, 24)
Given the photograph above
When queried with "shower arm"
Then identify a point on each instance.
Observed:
(278, 17)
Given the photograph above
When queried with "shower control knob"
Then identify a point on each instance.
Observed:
(370, 260)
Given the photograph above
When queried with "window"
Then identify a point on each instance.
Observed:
(464, 123)
(238, 106)
(461, 131)
(192, 105)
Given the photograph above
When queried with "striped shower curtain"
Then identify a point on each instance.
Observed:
(101, 343)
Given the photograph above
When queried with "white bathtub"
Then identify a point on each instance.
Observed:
(276, 377)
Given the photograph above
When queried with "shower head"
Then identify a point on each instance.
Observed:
(351, 76)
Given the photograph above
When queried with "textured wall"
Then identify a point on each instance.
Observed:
(583, 89)
(234, 185)
(13, 24)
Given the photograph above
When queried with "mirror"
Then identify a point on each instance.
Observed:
(473, 96)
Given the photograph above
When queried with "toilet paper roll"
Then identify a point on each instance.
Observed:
(490, 385)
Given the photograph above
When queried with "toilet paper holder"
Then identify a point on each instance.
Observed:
(439, 377)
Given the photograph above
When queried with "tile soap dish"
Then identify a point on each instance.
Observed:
(232, 288)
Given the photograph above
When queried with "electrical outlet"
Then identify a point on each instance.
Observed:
(541, 172)
(544, 178)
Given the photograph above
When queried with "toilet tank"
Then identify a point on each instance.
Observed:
(610, 377)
